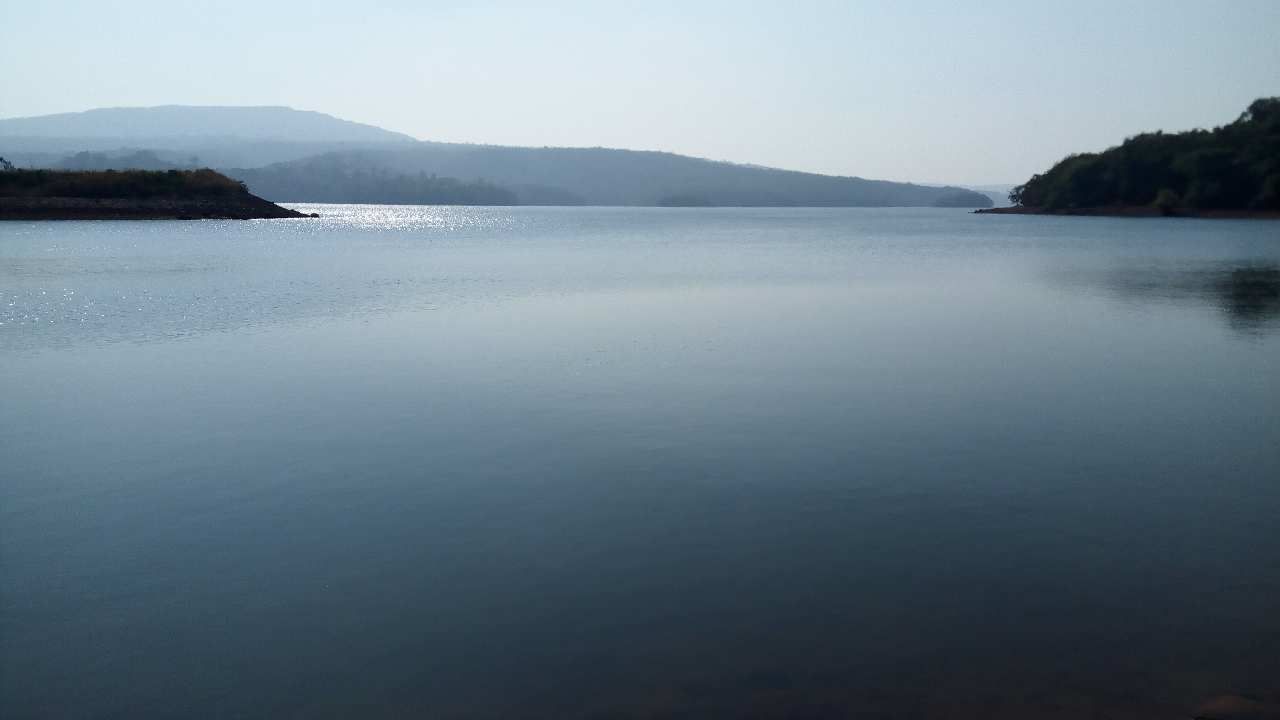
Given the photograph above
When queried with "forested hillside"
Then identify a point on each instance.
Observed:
(328, 179)
(1232, 167)
(601, 176)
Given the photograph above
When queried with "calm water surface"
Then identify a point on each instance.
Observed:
(522, 462)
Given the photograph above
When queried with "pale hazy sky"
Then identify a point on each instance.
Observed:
(943, 91)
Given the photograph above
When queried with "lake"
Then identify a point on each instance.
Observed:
(638, 462)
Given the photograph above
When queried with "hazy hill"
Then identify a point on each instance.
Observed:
(125, 160)
(191, 121)
(327, 179)
(600, 176)
(292, 155)
(998, 193)
(217, 136)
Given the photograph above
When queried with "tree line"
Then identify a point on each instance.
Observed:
(328, 179)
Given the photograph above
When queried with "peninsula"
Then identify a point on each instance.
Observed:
(130, 195)
(1232, 171)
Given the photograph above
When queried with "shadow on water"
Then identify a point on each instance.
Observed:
(1248, 295)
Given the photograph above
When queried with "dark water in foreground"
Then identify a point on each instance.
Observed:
(637, 462)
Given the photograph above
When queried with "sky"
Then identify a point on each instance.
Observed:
(955, 92)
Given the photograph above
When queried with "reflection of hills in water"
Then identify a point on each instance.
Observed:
(1247, 294)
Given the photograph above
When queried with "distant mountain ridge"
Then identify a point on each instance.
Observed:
(290, 155)
(603, 176)
(216, 136)
(201, 121)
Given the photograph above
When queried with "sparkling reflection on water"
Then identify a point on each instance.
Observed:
(611, 462)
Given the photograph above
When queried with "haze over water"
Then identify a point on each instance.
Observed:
(551, 462)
